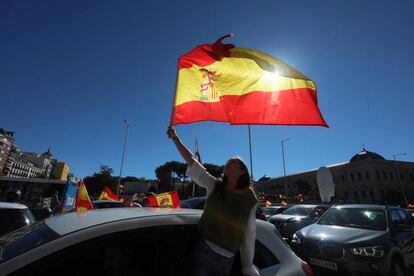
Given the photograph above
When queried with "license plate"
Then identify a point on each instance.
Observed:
(324, 264)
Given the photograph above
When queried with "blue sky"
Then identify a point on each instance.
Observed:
(71, 71)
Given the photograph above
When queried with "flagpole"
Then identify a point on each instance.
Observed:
(251, 160)
(175, 94)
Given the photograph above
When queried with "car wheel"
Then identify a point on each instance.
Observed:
(397, 268)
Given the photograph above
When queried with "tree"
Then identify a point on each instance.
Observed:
(96, 183)
(214, 170)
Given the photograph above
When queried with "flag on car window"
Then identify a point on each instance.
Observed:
(107, 194)
(169, 199)
(83, 202)
(218, 82)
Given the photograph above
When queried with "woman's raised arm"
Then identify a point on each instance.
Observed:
(182, 149)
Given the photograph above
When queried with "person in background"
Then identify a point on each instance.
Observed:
(54, 202)
(228, 223)
(14, 196)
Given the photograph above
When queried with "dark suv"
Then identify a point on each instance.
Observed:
(359, 239)
(297, 217)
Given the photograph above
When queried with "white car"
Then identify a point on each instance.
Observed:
(128, 241)
(14, 216)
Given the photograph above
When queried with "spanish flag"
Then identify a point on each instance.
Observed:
(218, 82)
(107, 194)
(83, 202)
(169, 199)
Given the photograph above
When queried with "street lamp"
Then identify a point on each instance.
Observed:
(399, 177)
(123, 154)
(284, 168)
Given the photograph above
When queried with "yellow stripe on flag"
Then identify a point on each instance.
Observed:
(243, 72)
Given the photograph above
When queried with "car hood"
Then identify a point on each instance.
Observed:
(339, 234)
(281, 217)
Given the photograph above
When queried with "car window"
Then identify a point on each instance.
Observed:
(166, 250)
(163, 250)
(364, 218)
(263, 258)
(298, 210)
(405, 219)
(318, 211)
(12, 219)
(25, 239)
(395, 218)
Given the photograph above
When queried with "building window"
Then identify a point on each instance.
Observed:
(382, 194)
(371, 193)
(378, 175)
(352, 177)
(356, 195)
(364, 194)
(401, 177)
(359, 176)
(391, 176)
(367, 176)
(412, 177)
(343, 178)
(385, 175)
(346, 195)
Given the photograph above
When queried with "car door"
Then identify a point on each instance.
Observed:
(401, 233)
(161, 250)
(406, 223)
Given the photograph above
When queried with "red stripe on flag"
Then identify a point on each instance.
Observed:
(206, 54)
(288, 107)
(197, 111)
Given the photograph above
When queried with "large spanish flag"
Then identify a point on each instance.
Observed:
(218, 82)
(83, 202)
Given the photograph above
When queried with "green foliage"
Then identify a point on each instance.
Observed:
(213, 169)
(96, 183)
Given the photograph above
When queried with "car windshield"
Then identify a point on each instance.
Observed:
(299, 210)
(365, 218)
(25, 239)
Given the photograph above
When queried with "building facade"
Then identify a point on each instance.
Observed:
(60, 170)
(6, 147)
(366, 178)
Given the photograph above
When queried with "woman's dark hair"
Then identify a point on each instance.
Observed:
(242, 183)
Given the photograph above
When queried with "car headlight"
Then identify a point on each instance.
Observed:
(371, 251)
(296, 239)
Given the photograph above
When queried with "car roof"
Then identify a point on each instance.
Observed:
(370, 206)
(10, 205)
(307, 205)
(75, 221)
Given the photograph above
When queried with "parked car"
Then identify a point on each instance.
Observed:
(194, 203)
(14, 216)
(99, 204)
(359, 240)
(198, 203)
(274, 210)
(297, 217)
(129, 241)
(41, 212)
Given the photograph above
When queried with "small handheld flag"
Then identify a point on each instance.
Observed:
(83, 202)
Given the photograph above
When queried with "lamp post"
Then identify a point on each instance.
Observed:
(284, 167)
(399, 178)
(123, 154)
